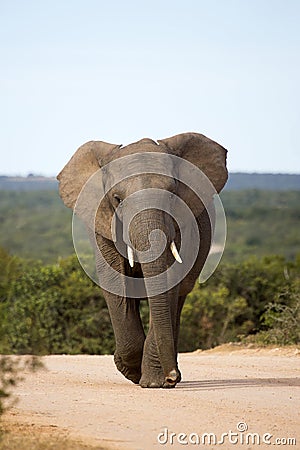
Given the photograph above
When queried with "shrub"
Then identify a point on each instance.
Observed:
(280, 322)
(56, 308)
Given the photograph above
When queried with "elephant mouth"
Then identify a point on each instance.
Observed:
(173, 248)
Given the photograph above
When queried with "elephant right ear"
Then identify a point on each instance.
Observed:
(83, 164)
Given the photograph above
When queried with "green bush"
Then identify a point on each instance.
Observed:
(280, 321)
(235, 302)
(53, 309)
(56, 308)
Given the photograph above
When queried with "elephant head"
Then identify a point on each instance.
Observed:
(199, 150)
(144, 192)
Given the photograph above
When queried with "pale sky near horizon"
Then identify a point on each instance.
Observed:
(118, 71)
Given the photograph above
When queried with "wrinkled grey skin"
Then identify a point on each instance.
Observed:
(148, 360)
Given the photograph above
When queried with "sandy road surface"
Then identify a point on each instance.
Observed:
(86, 396)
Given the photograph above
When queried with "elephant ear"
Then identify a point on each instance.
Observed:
(204, 153)
(83, 164)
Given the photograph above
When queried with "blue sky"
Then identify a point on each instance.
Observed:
(117, 71)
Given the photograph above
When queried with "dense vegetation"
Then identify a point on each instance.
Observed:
(49, 305)
(35, 225)
(257, 300)
(56, 308)
(261, 223)
(51, 309)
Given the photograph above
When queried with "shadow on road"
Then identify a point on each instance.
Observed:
(207, 385)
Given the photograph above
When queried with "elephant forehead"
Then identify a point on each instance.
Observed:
(142, 167)
(146, 181)
(149, 161)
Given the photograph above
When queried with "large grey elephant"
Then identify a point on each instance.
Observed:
(142, 249)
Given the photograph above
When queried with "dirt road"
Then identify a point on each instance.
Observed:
(248, 394)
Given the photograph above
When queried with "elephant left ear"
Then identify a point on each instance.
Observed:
(207, 155)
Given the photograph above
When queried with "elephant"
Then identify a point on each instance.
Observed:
(142, 250)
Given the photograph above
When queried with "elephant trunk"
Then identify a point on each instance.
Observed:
(153, 231)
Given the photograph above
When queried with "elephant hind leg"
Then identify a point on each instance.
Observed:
(129, 366)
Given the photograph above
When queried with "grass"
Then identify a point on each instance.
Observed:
(15, 436)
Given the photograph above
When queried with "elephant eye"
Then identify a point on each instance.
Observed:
(117, 197)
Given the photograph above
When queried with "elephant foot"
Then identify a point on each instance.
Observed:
(132, 373)
(155, 378)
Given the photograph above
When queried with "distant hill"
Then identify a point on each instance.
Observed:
(236, 182)
(30, 183)
(263, 181)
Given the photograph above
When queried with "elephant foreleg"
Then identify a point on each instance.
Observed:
(152, 371)
(129, 336)
(125, 317)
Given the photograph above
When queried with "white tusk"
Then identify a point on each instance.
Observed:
(175, 252)
(130, 256)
